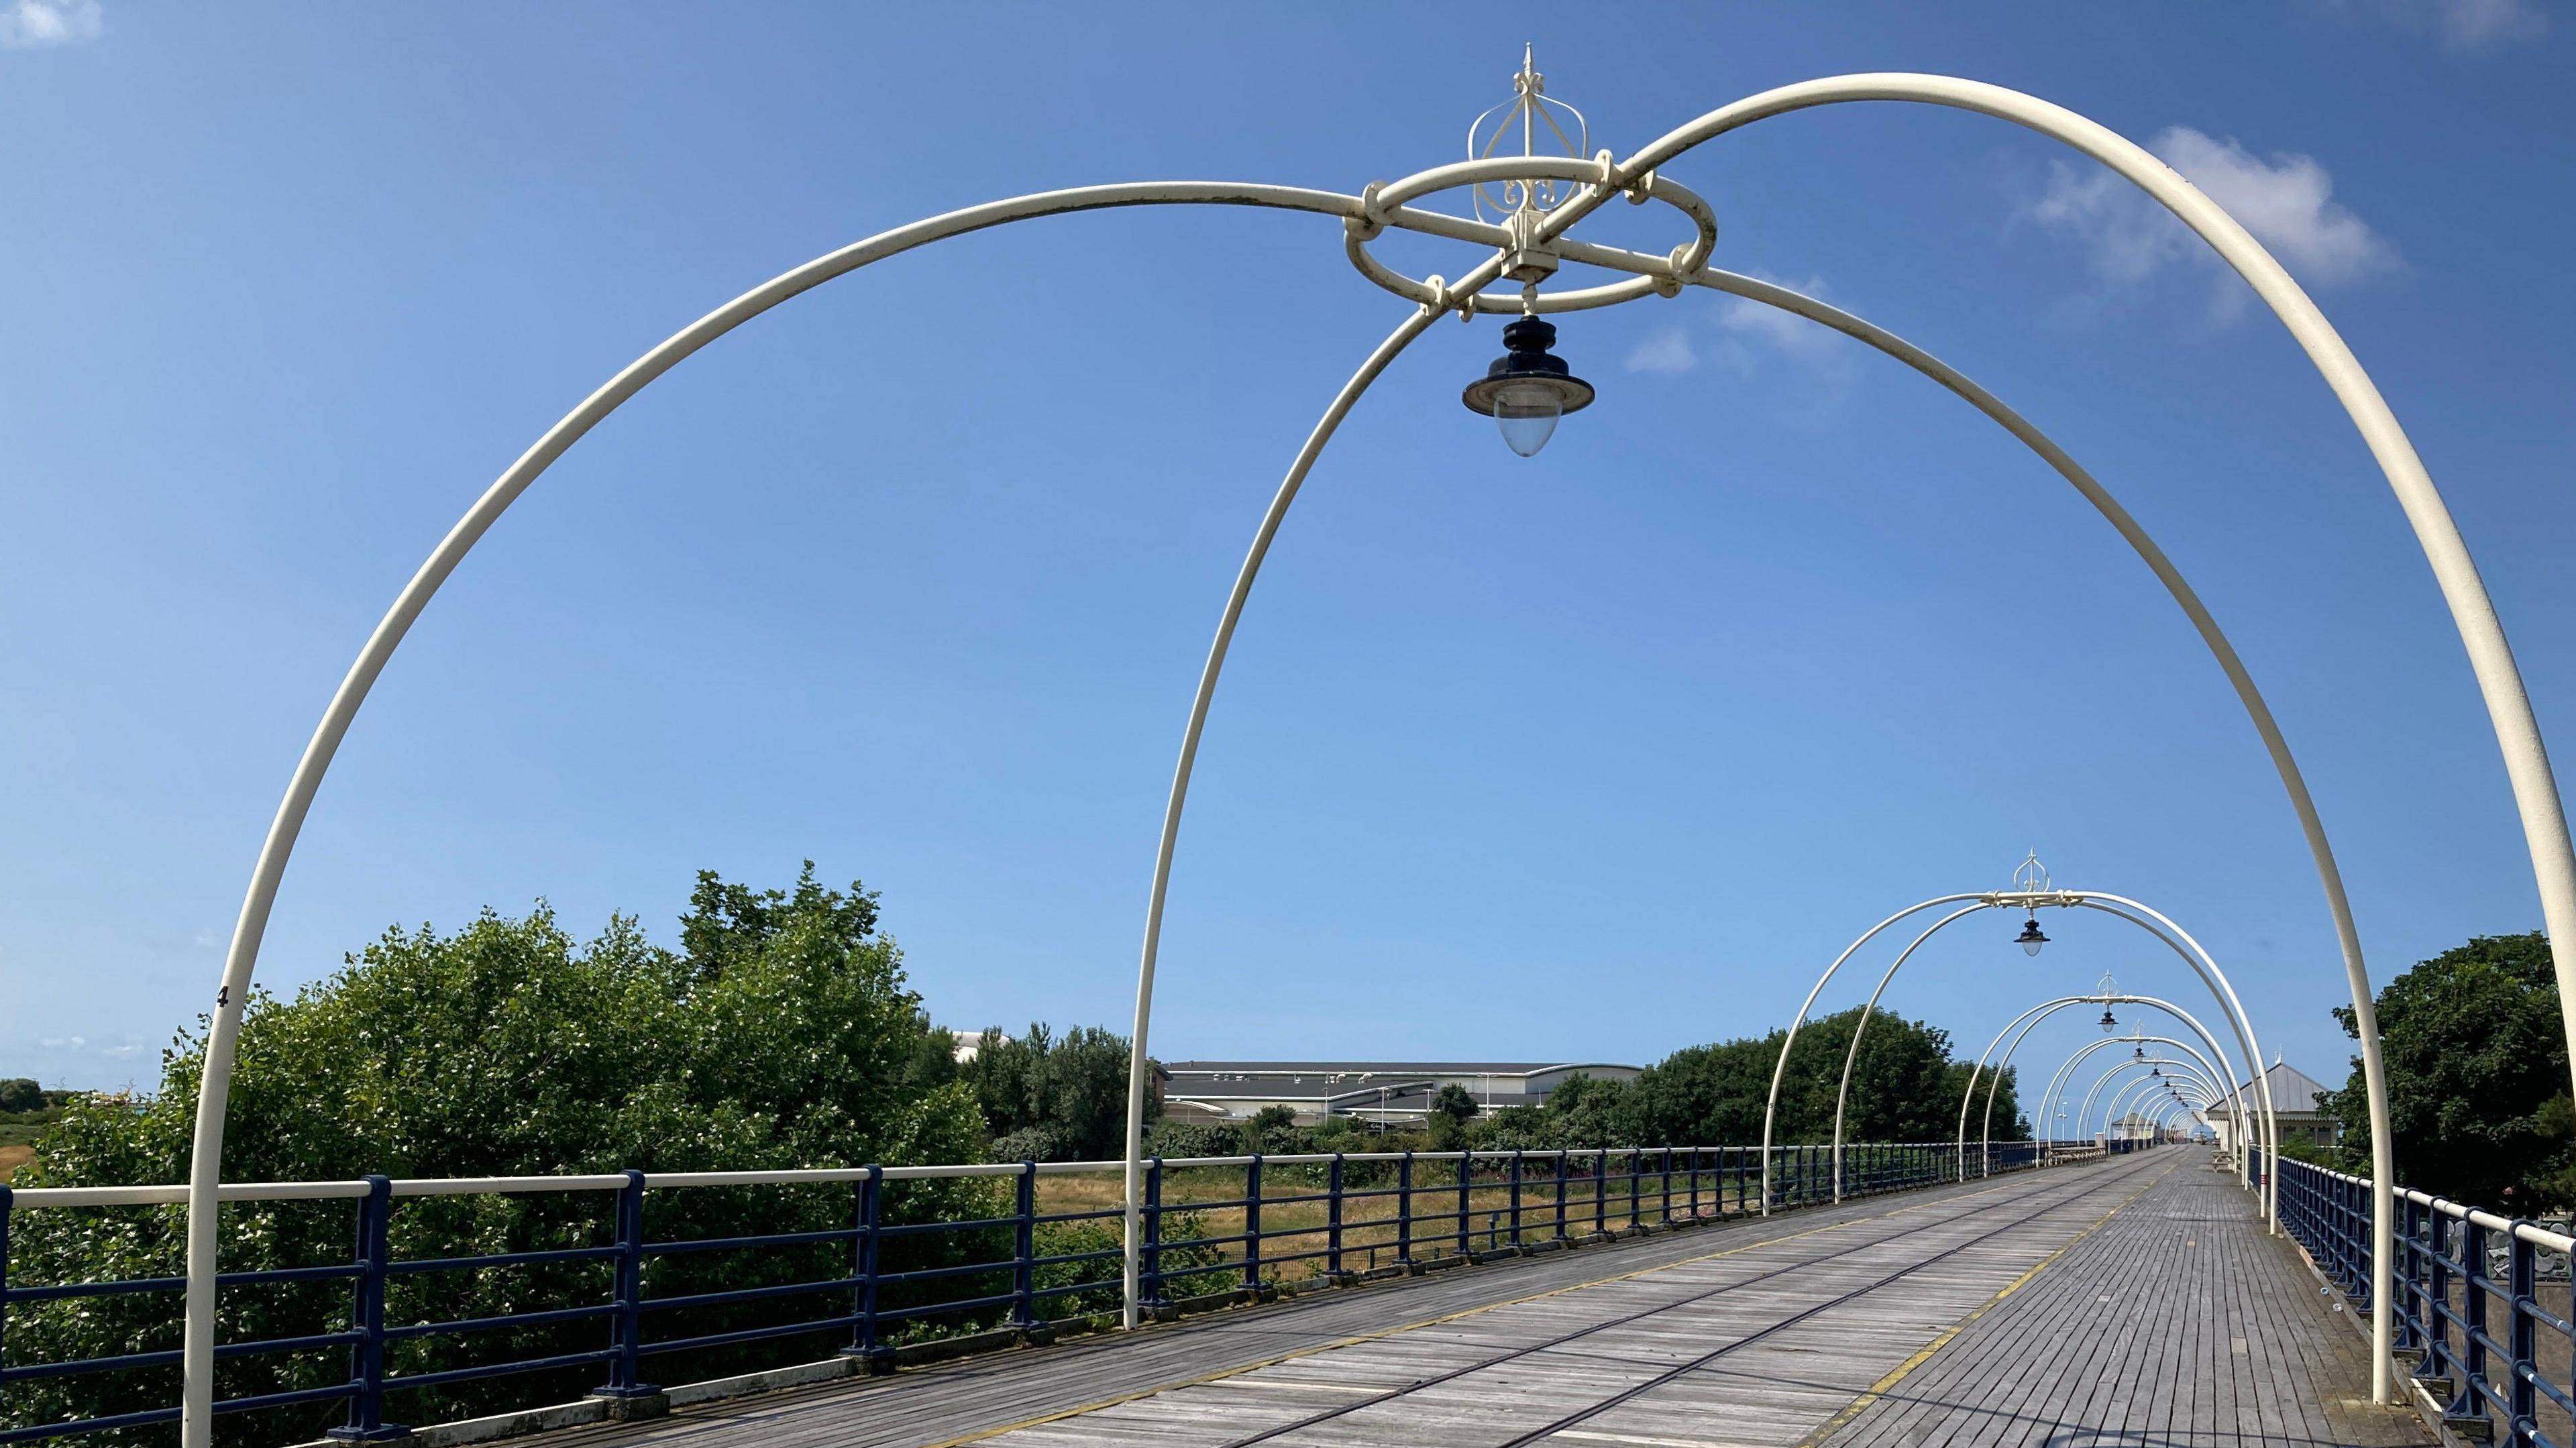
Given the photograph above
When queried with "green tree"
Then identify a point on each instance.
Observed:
(1904, 1087)
(1448, 1116)
(1271, 1128)
(2477, 1078)
(18, 1093)
(779, 1035)
(1050, 1098)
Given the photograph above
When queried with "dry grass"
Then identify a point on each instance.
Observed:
(1291, 1227)
(14, 1157)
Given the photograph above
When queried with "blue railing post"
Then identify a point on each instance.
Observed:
(5, 1200)
(2522, 1336)
(367, 1318)
(2470, 1402)
(1466, 1187)
(1024, 1249)
(1517, 1154)
(1634, 1171)
(867, 1214)
(1333, 1220)
(1252, 1225)
(1668, 1184)
(1560, 1195)
(1404, 1211)
(1600, 1191)
(1153, 1284)
(2437, 1272)
(626, 1325)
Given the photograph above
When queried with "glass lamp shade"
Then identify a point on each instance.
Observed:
(1526, 390)
(1527, 413)
(2110, 1022)
(2030, 939)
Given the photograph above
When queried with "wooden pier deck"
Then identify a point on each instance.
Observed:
(2131, 1302)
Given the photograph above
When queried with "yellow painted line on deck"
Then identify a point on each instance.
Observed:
(1906, 1369)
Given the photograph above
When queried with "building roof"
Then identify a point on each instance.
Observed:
(1392, 1068)
(2294, 1092)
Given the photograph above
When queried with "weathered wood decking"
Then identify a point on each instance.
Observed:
(2131, 1302)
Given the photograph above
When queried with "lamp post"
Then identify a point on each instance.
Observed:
(1529, 241)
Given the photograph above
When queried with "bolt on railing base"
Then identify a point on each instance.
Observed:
(635, 1404)
(876, 1362)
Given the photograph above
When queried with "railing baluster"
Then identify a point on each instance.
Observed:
(1466, 1184)
(2522, 1282)
(1333, 1220)
(1024, 1248)
(367, 1318)
(1600, 1191)
(1560, 1194)
(1404, 1211)
(1252, 1225)
(626, 1341)
(1517, 1154)
(2473, 1332)
(867, 1213)
(6, 1200)
(1667, 1208)
(1634, 1218)
(1153, 1285)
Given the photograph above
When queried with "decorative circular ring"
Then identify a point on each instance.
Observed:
(1387, 200)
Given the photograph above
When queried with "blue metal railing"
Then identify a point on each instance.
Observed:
(2454, 1270)
(1018, 1267)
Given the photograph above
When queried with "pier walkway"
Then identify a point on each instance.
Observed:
(2135, 1301)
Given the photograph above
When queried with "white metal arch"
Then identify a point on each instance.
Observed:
(2030, 1020)
(2065, 1074)
(2134, 912)
(2518, 736)
(2152, 1064)
(2149, 1063)
(2218, 1057)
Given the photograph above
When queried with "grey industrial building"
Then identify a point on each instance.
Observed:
(1388, 1092)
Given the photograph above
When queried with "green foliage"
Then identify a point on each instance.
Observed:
(2477, 1078)
(782, 1034)
(19, 1093)
(1447, 1119)
(1053, 1099)
(1904, 1087)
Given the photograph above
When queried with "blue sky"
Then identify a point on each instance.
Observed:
(1590, 757)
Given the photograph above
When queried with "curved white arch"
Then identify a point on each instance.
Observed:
(2064, 1074)
(241, 959)
(2153, 1064)
(2217, 1060)
(2135, 1099)
(2150, 1063)
(2517, 730)
(2149, 920)
(1851, 1054)
(2030, 1020)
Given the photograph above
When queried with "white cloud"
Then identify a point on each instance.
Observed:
(2461, 25)
(31, 23)
(2287, 202)
(1666, 349)
(55, 1043)
(1757, 341)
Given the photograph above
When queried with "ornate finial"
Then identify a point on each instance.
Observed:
(1533, 114)
(2030, 877)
